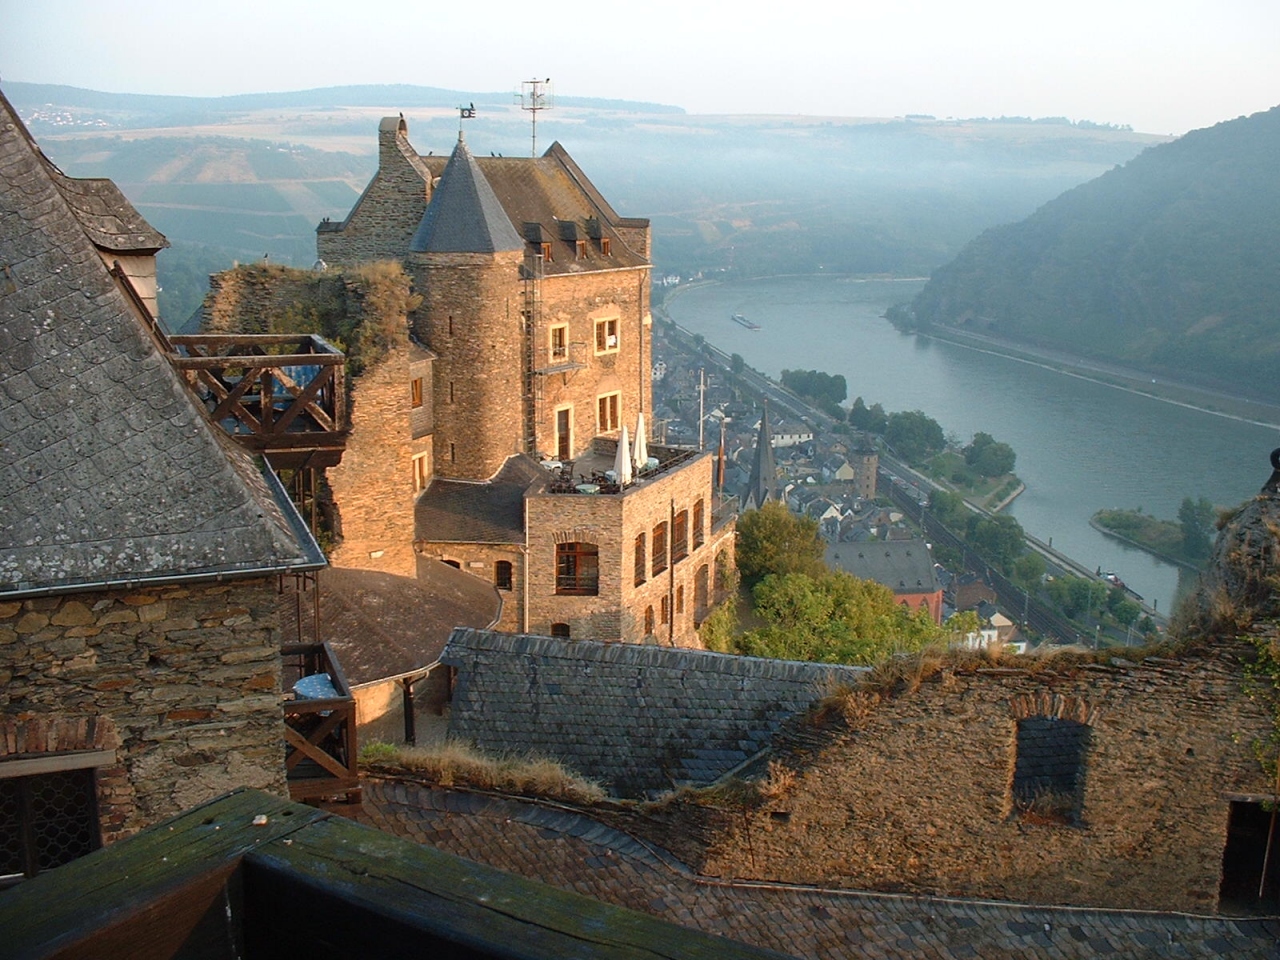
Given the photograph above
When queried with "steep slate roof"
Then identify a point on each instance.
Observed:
(382, 626)
(108, 218)
(464, 216)
(762, 485)
(639, 718)
(109, 473)
(461, 511)
(549, 191)
(905, 566)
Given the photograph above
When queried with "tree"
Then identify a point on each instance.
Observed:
(1029, 570)
(736, 363)
(1197, 521)
(773, 540)
(988, 456)
(949, 508)
(914, 435)
(998, 538)
(815, 385)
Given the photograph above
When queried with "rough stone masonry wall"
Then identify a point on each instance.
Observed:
(244, 299)
(915, 794)
(578, 300)
(640, 718)
(381, 225)
(183, 682)
(372, 487)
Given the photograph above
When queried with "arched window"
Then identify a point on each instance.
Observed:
(648, 620)
(455, 564)
(660, 548)
(640, 559)
(502, 574)
(699, 522)
(680, 537)
(577, 569)
(560, 630)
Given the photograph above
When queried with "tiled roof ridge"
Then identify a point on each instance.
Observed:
(646, 655)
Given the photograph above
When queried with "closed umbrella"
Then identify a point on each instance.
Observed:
(622, 462)
(641, 456)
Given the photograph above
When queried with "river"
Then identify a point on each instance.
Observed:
(1082, 446)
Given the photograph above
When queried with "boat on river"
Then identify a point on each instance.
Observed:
(739, 318)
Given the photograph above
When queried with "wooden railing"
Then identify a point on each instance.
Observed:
(281, 395)
(320, 733)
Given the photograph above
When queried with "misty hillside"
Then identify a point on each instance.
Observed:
(232, 178)
(1170, 263)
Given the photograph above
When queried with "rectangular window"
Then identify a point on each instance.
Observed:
(451, 391)
(680, 599)
(607, 335)
(666, 610)
(699, 522)
(577, 569)
(564, 434)
(604, 245)
(415, 391)
(607, 408)
(582, 249)
(453, 453)
(641, 560)
(680, 537)
(421, 471)
(546, 253)
(46, 820)
(660, 549)
(502, 574)
(559, 343)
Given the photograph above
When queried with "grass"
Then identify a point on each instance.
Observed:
(457, 764)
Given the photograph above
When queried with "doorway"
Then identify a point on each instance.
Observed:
(1250, 827)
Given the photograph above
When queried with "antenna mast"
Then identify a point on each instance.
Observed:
(535, 95)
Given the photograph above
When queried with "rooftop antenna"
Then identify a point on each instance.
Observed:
(535, 95)
(465, 113)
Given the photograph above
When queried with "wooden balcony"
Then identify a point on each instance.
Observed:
(281, 395)
(320, 731)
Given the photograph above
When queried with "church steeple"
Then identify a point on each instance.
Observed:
(763, 483)
(464, 215)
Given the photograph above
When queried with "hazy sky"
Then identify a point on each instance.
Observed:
(1164, 66)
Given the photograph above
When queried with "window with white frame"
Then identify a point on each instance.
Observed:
(607, 407)
(607, 335)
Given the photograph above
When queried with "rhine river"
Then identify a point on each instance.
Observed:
(1081, 446)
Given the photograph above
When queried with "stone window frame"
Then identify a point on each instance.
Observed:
(421, 465)
(503, 574)
(609, 412)
(577, 569)
(558, 342)
(658, 549)
(1064, 807)
(555, 419)
(607, 339)
(415, 392)
(680, 536)
(641, 560)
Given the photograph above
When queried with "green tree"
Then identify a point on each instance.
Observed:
(736, 363)
(998, 538)
(1196, 517)
(989, 456)
(773, 540)
(949, 508)
(1028, 571)
(914, 435)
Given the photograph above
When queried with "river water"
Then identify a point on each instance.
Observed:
(1081, 446)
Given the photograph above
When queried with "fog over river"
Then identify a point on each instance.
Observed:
(1081, 446)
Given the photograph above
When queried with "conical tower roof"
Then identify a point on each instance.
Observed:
(763, 483)
(464, 215)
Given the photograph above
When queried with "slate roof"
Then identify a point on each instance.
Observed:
(382, 626)
(640, 719)
(461, 511)
(109, 473)
(107, 217)
(905, 566)
(762, 485)
(552, 192)
(464, 216)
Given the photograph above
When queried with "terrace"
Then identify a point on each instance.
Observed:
(593, 472)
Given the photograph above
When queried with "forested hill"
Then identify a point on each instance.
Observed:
(1170, 263)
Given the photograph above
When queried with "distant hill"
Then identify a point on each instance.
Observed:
(1170, 263)
(233, 178)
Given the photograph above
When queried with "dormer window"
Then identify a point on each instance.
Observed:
(581, 247)
(604, 246)
(546, 252)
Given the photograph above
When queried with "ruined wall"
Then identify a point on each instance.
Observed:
(916, 793)
(182, 683)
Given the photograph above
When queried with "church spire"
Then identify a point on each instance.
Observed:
(763, 483)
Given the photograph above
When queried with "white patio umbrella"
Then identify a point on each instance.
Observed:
(622, 462)
(641, 455)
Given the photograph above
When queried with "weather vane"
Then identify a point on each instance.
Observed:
(465, 113)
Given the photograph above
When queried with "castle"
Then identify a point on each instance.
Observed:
(529, 366)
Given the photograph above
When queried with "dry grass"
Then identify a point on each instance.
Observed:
(456, 764)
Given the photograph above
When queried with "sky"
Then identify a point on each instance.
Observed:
(1161, 66)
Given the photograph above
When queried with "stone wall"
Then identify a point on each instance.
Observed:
(182, 682)
(384, 220)
(611, 522)
(916, 793)
(578, 301)
(373, 486)
(479, 560)
(642, 719)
